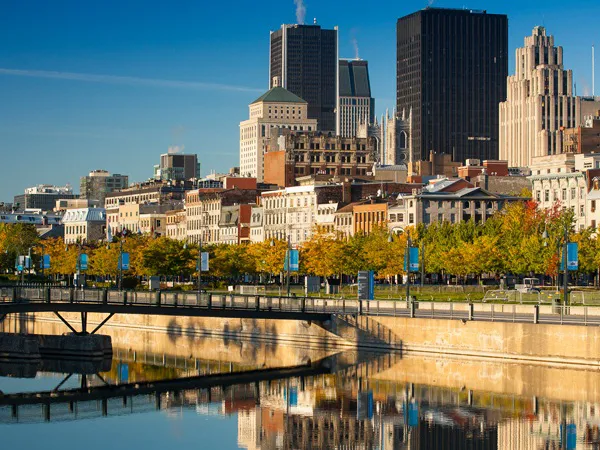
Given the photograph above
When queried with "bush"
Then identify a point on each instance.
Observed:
(130, 283)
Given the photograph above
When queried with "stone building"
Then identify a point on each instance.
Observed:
(293, 211)
(257, 230)
(84, 225)
(98, 183)
(583, 139)
(278, 108)
(122, 206)
(176, 224)
(446, 200)
(296, 155)
(540, 102)
(234, 224)
(567, 181)
(204, 208)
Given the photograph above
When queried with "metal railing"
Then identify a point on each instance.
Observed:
(495, 312)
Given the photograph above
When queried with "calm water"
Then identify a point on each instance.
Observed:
(346, 401)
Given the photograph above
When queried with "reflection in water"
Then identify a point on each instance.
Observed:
(346, 409)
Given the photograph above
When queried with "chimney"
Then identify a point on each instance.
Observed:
(346, 191)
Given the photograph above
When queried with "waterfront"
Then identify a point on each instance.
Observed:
(352, 400)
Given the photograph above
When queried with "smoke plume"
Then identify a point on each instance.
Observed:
(300, 11)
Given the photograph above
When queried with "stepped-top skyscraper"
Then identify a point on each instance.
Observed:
(451, 71)
(540, 102)
(305, 60)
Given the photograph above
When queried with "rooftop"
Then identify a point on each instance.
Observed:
(278, 95)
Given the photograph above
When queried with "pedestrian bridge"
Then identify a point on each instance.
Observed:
(232, 305)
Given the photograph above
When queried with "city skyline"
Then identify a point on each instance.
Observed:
(79, 99)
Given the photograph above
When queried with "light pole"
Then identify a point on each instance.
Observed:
(42, 262)
(407, 265)
(289, 263)
(78, 263)
(565, 242)
(121, 263)
(286, 259)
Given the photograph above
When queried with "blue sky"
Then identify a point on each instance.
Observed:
(111, 84)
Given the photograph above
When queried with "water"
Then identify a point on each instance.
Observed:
(197, 392)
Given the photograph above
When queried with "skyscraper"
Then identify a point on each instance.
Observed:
(356, 104)
(304, 58)
(540, 102)
(451, 70)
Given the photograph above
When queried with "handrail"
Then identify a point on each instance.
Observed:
(514, 312)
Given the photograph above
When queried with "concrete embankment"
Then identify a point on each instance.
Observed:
(559, 345)
(35, 347)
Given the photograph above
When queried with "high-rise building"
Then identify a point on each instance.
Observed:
(540, 102)
(451, 70)
(177, 166)
(277, 108)
(305, 59)
(356, 104)
(99, 183)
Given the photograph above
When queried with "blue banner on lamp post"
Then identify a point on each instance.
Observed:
(294, 258)
(572, 257)
(413, 256)
(45, 262)
(82, 264)
(124, 261)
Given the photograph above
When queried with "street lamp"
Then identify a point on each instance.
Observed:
(407, 266)
(565, 241)
(79, 244)
(287, 258)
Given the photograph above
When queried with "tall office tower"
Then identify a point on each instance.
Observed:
(356, 104)
(451, 70)
(540, 102)
(305, 59)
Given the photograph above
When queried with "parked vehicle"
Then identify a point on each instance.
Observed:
(529, 286)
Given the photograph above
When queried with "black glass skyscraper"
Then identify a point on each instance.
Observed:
(305, 60)
(451, 69)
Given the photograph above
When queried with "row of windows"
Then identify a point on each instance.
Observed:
(563, 196)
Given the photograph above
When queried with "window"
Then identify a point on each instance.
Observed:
(411, 218)
(564, 194)
(573, 193)
(581, 211)
(546, 195)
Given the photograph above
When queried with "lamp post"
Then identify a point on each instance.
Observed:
(286, 259)
(42, 261)
(407, 260)
(78, 263)
(564, 244)
(289, 263)
(121, 262)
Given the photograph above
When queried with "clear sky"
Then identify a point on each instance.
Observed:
(111, 84)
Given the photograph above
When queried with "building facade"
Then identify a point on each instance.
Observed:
(300, 154)
(42, 197)
(275, 110)
(84, 225)
(98, 183)
(540, 102)
(304, 58)
(175, 227)
(123, 207)
(568, 181)
(356, 103)
(177, 166)
(204, 209)
(292, 212)
(452, 88)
